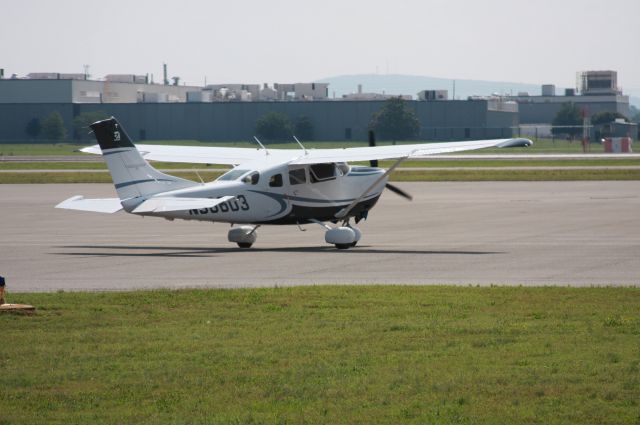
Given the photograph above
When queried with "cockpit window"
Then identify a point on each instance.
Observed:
(252, 178)
(233, 174)
(322, 172)
(297, 176)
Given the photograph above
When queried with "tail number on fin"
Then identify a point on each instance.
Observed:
(240, 203)
(116, 136)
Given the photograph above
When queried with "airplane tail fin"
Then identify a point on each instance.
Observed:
(131, 173)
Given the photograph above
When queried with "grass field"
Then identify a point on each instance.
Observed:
(515, 175)
(568, 174)
(339, 355)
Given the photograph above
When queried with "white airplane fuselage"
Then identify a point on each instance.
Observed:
(270, 199)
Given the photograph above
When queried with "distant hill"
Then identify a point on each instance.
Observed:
(412, 84)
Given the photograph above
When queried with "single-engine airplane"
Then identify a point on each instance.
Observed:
(265, 186)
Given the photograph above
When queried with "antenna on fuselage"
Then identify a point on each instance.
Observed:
(261, 145)
(301, 145)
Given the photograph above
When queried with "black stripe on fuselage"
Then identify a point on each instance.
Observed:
(301, 214)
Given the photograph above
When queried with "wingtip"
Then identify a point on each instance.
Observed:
(518, 142)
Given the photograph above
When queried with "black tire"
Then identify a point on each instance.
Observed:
(354, 243)
(244, 245)
(343, 245)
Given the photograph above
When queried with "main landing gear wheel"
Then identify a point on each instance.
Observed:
(244, 236)
(358, 235)
(343, 237)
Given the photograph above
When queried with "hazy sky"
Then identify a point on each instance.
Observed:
(541, 41)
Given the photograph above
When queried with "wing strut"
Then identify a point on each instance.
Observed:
(343, 212)
(261, 145)
(301, 145)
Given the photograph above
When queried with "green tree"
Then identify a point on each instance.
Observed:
(568, 121)
(395, 121)
(33, 128)
(274, 126)
(53, 127)
(82, 121)
(303, 128)
(606, 117)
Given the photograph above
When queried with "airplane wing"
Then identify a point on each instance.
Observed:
(402, 151)
(168, 203)
(203, 154)
(79, 203)
(235, 156)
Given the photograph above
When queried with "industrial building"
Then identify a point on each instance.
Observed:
(219, 112)
(331, 120)
(230, 112)
(74, 88)
(597, 91)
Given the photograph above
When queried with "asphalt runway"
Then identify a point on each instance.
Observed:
(480, 233)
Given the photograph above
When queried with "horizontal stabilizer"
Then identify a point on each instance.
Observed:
(94, 149)
(164, 204)
(108, 205)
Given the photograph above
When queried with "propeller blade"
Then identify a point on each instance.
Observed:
(372, 143)
(397, 190)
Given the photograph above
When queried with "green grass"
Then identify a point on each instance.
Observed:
(37, 149)
(100, 166)
(398, 175)
(514, 175)
(87, 177)
(338, 355)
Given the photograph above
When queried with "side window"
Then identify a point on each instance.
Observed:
(297, 176)
(322, 172)
(275, 180)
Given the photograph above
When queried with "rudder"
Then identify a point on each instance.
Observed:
(132, 175)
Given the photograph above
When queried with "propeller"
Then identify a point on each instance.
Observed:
(372, 143)
(374, 163)
(398, 191)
